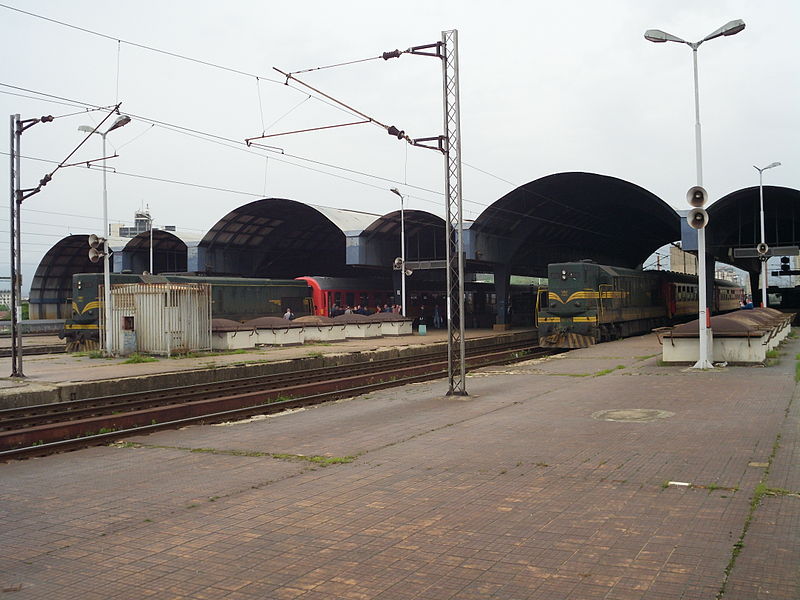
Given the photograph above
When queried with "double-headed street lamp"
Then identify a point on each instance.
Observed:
(763, 241)
(121, 121)
(402, 253)
(658, 36)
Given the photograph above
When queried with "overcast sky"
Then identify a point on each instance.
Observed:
(546, 87)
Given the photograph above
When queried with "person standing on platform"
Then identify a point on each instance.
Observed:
(437, 317)
(288, 315)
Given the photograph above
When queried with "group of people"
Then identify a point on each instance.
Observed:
(363, 310)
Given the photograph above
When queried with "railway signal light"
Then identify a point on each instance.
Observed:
(762, 249)
(785, 263)
(398, 264)
(95, 248)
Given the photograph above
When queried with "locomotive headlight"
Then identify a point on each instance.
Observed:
(563, 275)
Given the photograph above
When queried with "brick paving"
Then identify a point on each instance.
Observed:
(515, 492)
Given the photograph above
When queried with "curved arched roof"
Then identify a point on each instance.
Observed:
(169, 251)
(276, 237)
(425, 233)
(572, 216)
(734, 222)
(52, 282)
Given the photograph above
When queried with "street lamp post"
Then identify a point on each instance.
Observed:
(120, 122)
(763, 241)
(658, 36)
(402, 252)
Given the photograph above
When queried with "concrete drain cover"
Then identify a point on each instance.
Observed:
(632, 415)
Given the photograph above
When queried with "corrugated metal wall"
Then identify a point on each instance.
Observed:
(160, 318)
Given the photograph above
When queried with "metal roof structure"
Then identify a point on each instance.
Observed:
(557, 218)
(734, 222)
(379, 244)
(276, 237)
(572, 216)
(51, 287)
(170, 252)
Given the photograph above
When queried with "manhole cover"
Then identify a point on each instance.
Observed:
(635, 415)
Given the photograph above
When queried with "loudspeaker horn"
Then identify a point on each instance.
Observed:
(697, 196)
(697, 218)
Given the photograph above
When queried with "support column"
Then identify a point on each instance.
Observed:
(502, 277)
(710, 264)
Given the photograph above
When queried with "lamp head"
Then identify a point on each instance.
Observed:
(396, 191)
(730, 28)
(658, 36)
(120, 122)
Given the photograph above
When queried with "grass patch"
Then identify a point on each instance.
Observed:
(323, 461)
(797, 372)
(89, 354)
(207, 354)
(772, 354)
(314, 354)
(607, 371)
(645, 357)
(760, 491)
(571, 374)
(139, 358)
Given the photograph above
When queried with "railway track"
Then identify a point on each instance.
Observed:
(32, 350)
(44, 429)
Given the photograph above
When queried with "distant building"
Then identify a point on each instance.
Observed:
(682, 262)
(5, 297)
(141, 224)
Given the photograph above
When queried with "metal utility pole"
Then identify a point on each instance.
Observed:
(448, 144)
(454, 218)
(16, 338)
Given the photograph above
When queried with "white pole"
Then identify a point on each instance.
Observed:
(704, 360)
(106, 264)
(763, 239)
(403, 256)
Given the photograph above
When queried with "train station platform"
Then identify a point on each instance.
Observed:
(595, 474)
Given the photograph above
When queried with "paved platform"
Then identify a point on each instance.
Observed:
(522, 490)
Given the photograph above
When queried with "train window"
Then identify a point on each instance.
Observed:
(349, 298)
(363, 298)
(337, 298)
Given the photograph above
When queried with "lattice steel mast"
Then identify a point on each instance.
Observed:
(455, 220)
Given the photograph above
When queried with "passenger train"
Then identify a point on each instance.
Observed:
(480, 299)
(586, 303)
(236, 298)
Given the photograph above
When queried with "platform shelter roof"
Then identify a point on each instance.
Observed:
(277, 237)
(734, 222)
(572, 216)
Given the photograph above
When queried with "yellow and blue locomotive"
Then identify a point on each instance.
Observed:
(586, 303)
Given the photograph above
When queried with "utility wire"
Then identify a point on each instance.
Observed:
(342, 64)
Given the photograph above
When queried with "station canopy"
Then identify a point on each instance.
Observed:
(734, 222)
(281, 238)
(573, 216)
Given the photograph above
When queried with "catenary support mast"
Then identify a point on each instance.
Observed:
(455, 221)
